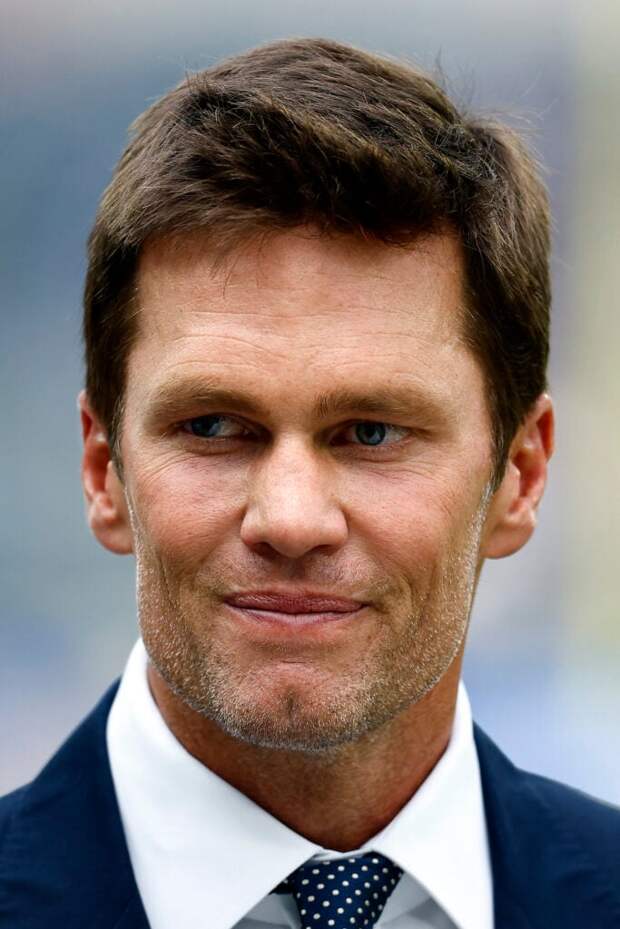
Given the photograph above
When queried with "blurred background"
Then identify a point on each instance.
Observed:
(545, 640)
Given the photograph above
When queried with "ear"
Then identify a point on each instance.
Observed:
(106, 507)
(511, 518)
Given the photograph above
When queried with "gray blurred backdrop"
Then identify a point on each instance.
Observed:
(544, 647)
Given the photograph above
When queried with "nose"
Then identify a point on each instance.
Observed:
(293, 506)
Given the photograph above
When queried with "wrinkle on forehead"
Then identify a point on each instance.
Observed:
(271, 278)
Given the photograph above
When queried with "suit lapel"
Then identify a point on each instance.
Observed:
(497, 781)
(66, 859)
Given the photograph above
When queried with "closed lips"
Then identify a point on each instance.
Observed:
(278, 603)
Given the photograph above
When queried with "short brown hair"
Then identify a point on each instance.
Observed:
(313, 131)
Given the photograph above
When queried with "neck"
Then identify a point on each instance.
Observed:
(338, 800)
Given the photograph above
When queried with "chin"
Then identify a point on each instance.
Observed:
(290, 724)
(293, 708)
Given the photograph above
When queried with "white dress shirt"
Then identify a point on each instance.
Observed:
(205, 856)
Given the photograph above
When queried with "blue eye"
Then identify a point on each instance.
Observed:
(370, 433)
(213, 427)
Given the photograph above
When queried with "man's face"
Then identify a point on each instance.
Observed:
(305, 421)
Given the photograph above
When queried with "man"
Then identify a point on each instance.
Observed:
(316, 326)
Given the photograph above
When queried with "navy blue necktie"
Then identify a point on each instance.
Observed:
(348, 893)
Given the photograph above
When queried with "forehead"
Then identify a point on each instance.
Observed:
(299, 307)
(282, 272)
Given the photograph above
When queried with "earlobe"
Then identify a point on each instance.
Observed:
(511, 519)
(106, 506)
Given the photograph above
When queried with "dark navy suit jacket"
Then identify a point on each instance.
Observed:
(64, 863)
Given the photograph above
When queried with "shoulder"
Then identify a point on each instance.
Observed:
(551, 844)
(63, 830)
(533, 794)
(51, 797)
(587, 825)
(10, 804)
(575, 805)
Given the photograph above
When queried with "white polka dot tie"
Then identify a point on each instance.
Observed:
(348, 893)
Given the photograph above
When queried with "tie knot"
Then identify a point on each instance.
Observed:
(348, 893)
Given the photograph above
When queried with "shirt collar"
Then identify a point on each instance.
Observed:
(191, 835)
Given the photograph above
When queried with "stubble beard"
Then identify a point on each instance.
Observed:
(333, 710)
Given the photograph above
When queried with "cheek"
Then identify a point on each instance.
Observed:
(183, 509)
(407, 520)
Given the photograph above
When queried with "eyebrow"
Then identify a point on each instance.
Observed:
(177, 398)
(390, 401)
